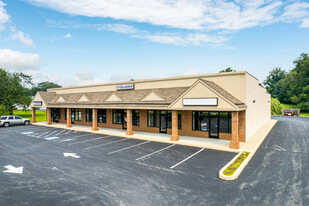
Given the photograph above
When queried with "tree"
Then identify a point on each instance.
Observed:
(13, 90)
(229, 69)
(276, 107)
(43, 86)
(275, 75)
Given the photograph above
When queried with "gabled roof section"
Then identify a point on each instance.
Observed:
(83, 98)
(224, 93)
(60, 99)
(113, 98)
(45, 97)
(152, 96)
(207, 89)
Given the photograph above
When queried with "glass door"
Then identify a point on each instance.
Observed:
(163, 123)
(124, 119)
(214, 131)
(72, 116)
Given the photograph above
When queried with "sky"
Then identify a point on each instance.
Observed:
(80, 42)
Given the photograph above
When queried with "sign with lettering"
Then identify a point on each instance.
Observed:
(37, 103)
(125, 87)
(200, 102)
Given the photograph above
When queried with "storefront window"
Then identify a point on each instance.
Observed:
(135, 117)
(88, 115)
(102, 115)
(55, 113)
(169, 119)
(201, 121)
(78, 114)
(117, 116)
(153, 118)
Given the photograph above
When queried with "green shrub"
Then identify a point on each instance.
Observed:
(276, 107)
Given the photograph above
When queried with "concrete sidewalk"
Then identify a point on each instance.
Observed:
(224, 145)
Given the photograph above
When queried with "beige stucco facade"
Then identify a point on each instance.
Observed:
(237, 93)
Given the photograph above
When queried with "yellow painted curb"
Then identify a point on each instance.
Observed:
(239, 170)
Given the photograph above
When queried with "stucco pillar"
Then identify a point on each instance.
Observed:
(33, 115)
(48, 116)
(129, 122)
(95, 120)
(234, 144)
(69, 117)
(175, 136)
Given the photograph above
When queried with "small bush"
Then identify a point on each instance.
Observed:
(276, 107)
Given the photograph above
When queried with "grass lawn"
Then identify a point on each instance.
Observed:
(293, 106)
(40, 116)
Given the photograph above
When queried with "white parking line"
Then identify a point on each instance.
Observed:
(89, 140)
(128, 147)
(106, 143)
(68, 132)
(60, 132)
(84, 135)
(186, 158)
(155, 152)
(50, 133)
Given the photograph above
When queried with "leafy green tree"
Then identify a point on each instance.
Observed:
(43, 86)
(14, 91)
(276, 107)
(229, 69)
(275, 75)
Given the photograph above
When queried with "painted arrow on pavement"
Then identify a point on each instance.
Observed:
(71, 155)
(12, 169)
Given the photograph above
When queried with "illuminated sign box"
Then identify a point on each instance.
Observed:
(200, 102)
(37, 103)
(125, 87)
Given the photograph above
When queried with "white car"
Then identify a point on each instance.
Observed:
(9, 120)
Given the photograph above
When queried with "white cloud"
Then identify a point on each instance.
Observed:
(68, 36)
(305, 23)
(185, 14)
(120, 28)
(18, 61)
(4, 17)
(297, 12)
(25, 39)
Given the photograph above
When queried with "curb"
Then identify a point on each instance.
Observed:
(246, 161)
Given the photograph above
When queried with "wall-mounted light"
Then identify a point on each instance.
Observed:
(253, 101)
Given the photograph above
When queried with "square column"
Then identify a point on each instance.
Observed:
(129, 122)
(33, 115)
(175, 136)
(69, 117)
(48, 116)
(95, 120)
(234, 144)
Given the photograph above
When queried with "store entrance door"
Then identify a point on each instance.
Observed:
(72, 116)
(214, 129)
(124, 119)
(163, 123)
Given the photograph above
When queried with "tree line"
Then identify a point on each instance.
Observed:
(17, 90)
(291, 87)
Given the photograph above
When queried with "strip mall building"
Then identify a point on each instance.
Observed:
(230, 106)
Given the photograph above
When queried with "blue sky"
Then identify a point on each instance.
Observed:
(78, 42)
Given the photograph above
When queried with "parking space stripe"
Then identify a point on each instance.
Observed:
(60, 132)
(41, 134)
(50, 133)
(186, 158)
(128, 147)
(155, 152)
(89, 140)
(106, 143)
(84, 135)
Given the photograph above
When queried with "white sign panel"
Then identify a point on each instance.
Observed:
(37, 103)
(200, 102)
(125, 86)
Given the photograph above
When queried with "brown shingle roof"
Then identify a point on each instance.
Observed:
(47, 96)
(127, 97)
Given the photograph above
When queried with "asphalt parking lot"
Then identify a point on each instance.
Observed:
(108, 170)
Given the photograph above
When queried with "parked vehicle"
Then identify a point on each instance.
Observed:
(11, 120)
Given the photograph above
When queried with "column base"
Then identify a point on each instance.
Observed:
(94, 129)
(68, 125)
(33, 121)
(174, 137)
(129, 132)
(49, 123)
(234, 145)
